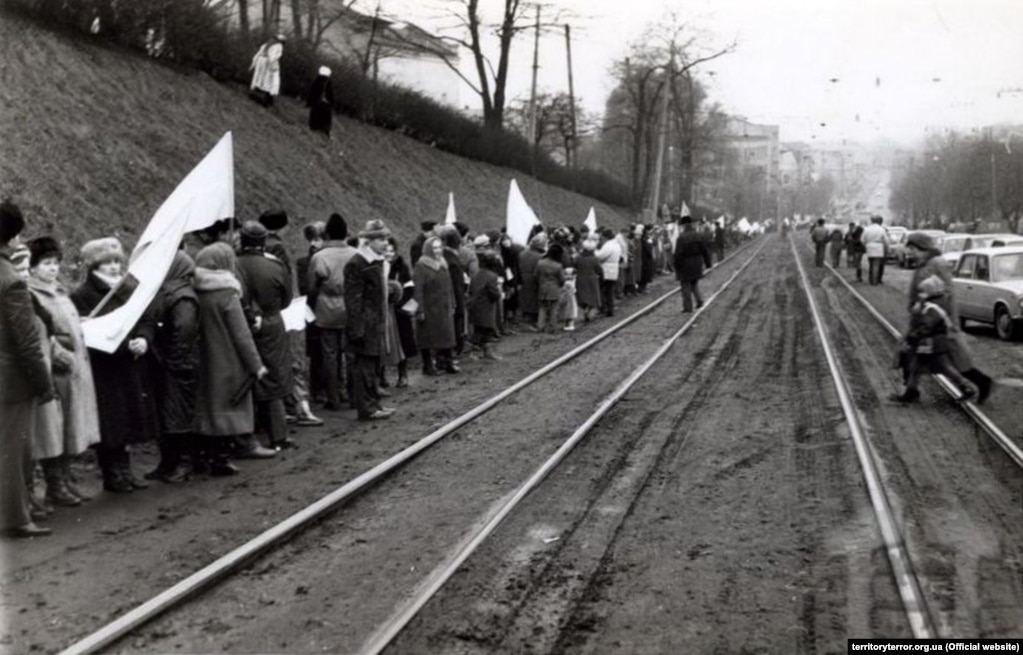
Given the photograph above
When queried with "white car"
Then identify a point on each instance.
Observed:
(989, 288)
(954, 245)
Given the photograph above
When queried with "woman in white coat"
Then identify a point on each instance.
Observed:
(266, 71)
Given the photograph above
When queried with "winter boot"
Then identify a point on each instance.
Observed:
(56, 492)
(168, 459)
(306, 418)
(907, 396)
(402, 374)
(125, 466)
(983, 382)
(113, 478)
(70, 483)
(429, 365)
(488, 353)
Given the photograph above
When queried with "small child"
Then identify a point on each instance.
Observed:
(568, 308)
(928, 341)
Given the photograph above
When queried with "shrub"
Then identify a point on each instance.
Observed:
(197, 34)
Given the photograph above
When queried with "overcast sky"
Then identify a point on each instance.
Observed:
(900, 65)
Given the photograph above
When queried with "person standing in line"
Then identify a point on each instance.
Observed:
(229, 362)
(366, 292)
(590, 276)
(819, 236)
(610, 256)
(435, 309)
(128, 413)
(855, 250)
(266, 71)
(72, 372)
(550, 276)
(320, 101)
(426, 230)
(459, 284)
(691, 256)
(484, 295)
(875, 244)
(25, 382)
(529, 302)
(837, 243)
(326, 297)
(314, 234)
(266, 283)
(510, 252)
(404, 316)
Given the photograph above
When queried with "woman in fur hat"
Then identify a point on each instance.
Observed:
(72, 374)
(126, 399)
(435, 325)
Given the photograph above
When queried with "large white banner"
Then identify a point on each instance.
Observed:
(520, 218)
(591, 221)
(205, 196)
(450, 217)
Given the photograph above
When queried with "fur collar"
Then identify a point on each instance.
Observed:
(214, 280)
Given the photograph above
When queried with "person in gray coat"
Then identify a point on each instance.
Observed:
(435, 309)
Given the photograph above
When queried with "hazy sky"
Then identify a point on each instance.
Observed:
(900, 65)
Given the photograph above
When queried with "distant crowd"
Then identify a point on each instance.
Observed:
(212, 364)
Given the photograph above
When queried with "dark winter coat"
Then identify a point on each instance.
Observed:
(320, 101)
(529, 298)
(266, 284)
(692, 254)
(406, 323)
(484, 292)
(458, 287)
(433, 293)
(24, 374)
(550, 277)
(229, 360)
(177, 349)
(366, 302)
(589, 274)
(512, 276)
(648, 266)
(125, 393)
(935, 264)
(415, 251)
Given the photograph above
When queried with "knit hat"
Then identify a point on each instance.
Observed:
(932, 286)
(253, 234)
(426, 226)
(314, 230)
(920, 240)
(482, 241)
(11, 221)
(44, 248)
(539, 241)
(100, 251)
(337, 227)
(274, 219)
(375, 229)
(324, 71)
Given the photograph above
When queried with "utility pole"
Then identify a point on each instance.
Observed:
(571, 97)
(662, 129)
(532, 96)
(994, 192)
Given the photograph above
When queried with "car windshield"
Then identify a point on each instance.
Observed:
(1007, 267)
(954, 244)
(983, 242)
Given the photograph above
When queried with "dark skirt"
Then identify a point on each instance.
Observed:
(125, 398)
(321, 117)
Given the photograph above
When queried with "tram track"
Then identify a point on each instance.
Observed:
(281, 532)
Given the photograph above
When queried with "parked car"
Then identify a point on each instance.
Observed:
(953, 245)
(896, 236)
(900, 251)
(989, 288)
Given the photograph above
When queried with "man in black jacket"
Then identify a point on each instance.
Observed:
(691, 256)
(24, 382)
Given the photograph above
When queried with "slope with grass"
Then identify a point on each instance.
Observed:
(92, 139)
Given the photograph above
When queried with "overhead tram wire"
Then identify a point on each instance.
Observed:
(905, 578)
(227, 564)
(391, 628)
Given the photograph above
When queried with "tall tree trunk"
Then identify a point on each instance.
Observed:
(243, 17)
(296, 17)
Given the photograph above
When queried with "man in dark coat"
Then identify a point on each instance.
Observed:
(416, 249)
(692, 254)
(24, 382)
(365, 290)
(266, 283)
(719, 241)
(459, 284)
(819, 236)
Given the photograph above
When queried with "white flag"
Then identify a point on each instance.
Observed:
(205, 196)
(685, 209)
(297, 315)
(450, 217)
(520, 218)
(591, 221)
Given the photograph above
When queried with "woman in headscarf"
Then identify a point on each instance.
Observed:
(125, 397)
(177, 349)
(529, 301)
(266, 71)
(229, 364)
(435, 308)
(72, 373)
(320, 101)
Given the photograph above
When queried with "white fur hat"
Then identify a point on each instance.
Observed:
(97, 251)
(324, 71)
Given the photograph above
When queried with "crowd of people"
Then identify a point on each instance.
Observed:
(211, 365)
(858, 241)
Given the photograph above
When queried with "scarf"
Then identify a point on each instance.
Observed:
(109, 280)
(179, 277)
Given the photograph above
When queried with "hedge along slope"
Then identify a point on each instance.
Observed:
(94, 139)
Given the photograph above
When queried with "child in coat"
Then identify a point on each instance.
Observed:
(568, 308)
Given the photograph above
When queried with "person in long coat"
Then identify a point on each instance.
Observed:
(398, 272)
(125, 396)
(72, 372)
(435, 327)
(229, 362)
(529, 290)
(25, 381)
(459, 284)
(512, 279)
(646, 251)
(550, 276)
(484, 294)
(266, 71)
(692, 254)
(267, 287)
(589, 275)
(320, 101)
(366, 292)
(177, 348)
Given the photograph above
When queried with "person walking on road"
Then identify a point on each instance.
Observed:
(854, 249)
(366, 292)
(719, 241)
(692, 255)
(837, 244)
(875, 244)
(819, 236)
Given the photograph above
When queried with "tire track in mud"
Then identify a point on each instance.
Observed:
(959, 496)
